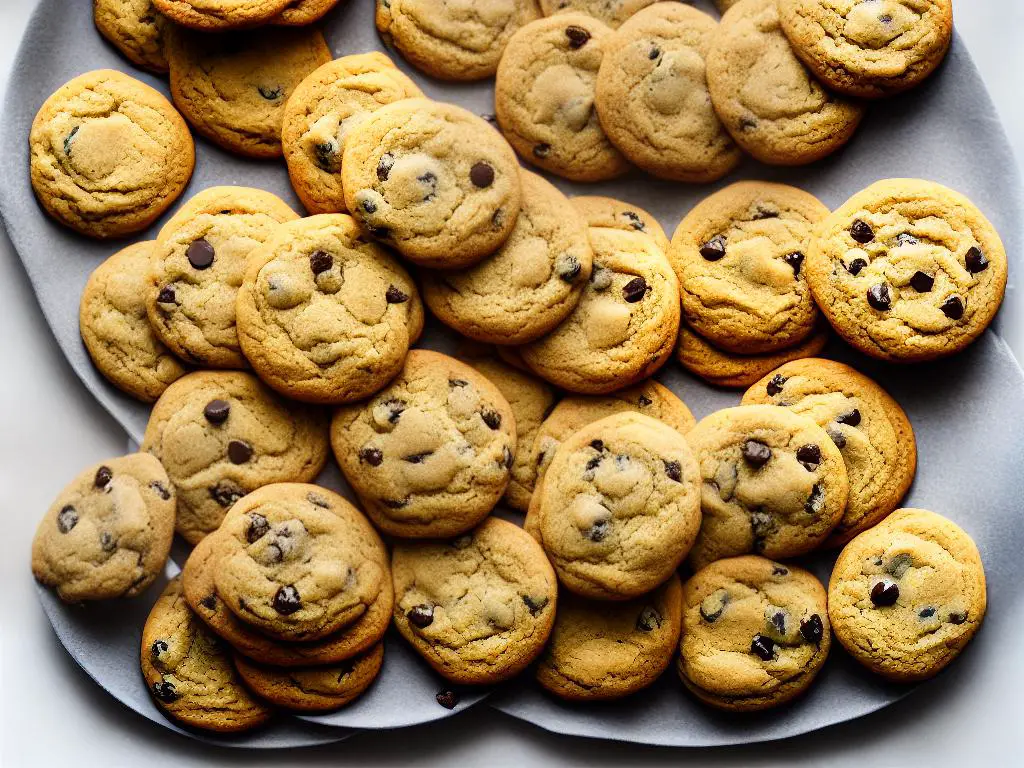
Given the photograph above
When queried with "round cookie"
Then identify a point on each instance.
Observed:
(222, 434)
(197, 267)
(431, 454)
(323, 315)
(869, 49)
(188, 670)
(299, 13)
(544, 98)
(907, 596)
(218, 15)
(774, 483)
(531, 401)
(866, 424)
(135, 28)
(355, 639)
(530, 284)
(731, 371)
(907, 270)
(755, 633)
(108, 154)
(479, 608)
(109, 531)
(295, 569)
(233, 88)
(610, 213)
(611, 12)
(739, 256)
(766, 98)
(620, 507)
(453, 40)
(625, 325)
(116, 331)
(321, 113)
(652, 96)
(433, 180)
(312, 689)
(600, 651)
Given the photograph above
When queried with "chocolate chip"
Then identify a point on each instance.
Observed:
(713, 249)
(809, 456)
(317, 500)
(884, 593)
(165, 691)
(226, 493)
(67, 518)
(394, 503)
(421, 615)
(396, 408)
(674, 470)
(507, 457)
(217, 411)
(239, 451)
(794, 260)
(541, 150)
(899, 564)
(975, 260)
(535, 604)
(259, 527)
(491, 418)
(200, 254)
(69, 139)
(836, 437)
(905, 238)
(778, 570)
(568, 267)
(763, 647)
(447, 699)
(598, 531)
(209, 602)
(597, 445)
(760, 523)
(957, 617)
(712, 606)
(926, 613)
(879, 297)
(634, 290)
(747, 123)
(812, 629)
(648, 620)
(287, 600)
(166, 295)
(885, 18)
(372, 456)
(644, 401)
(862, 232)
(953, 308)
(160, 490)
(368, 206)
(756, 453)
(775, 384)
(270, 94)
(395, 295)
(855, 266)
(482, 175)
(107, 542)
(457, 383)
(325, 154)
(635, 221)
(654, 53)
(320, 261)
(922, 282)
(428, 178)
(778, 621)
(417, 458)
(578, 36)
(813, 504)
(103, 477)
(852, 418)
(157, 648)
(387, 162)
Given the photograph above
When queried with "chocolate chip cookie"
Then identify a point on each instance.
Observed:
(324, 315)
(652, 96)
(321, 113)
(907, 270)
(866, 424)
(478, 608)
(233, 88)
(907, 596)
(432, 453)
(625, 325)
(773, 483)
(615, 214)
(433, 180)
(764, 95)
(601, 650)
(869, 49)
(222, 434)
(116, 331)
(620, 507)
(755, 633)
(739, 256)
(135, 28)
(217, 15)
(544, 98)
(197, 267)
(453, 40)
(108, 154)
(611, 12)
(188, 670)
(108, 533)
(529, 285)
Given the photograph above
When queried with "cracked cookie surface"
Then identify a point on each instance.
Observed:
(219, 15)
(431, 454)
(197, 268)
(109, 531)
(739, 256)
(625, 324)
(530, 284)
(764, 95)
(755, 633)
(135, 28)
(620, 506)
(433, 180)
(324, 315)
(611, 12)
(478, 608)
(108, 154)
(116, 331)
(908, 595)
(609, 213)
(774, 483)
(907, 270)
(222, 434)
(544, 98)
(299, 13)
(322, 112)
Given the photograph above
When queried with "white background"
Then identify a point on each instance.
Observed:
(51, 714)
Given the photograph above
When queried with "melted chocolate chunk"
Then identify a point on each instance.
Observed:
(259, 527)
(447, 699)
(103, 477)
(756, 453)
(674, 470)
(372, 456)
(953, 307)
(200, 254)
(855, 266)
(239, 451)
(287, 600)
(879, 297)
(634, 290)
(320, 261)
(217, 411)
(384, 166)
(794, 260)
(862, 232)
(421, 615)
(852, 418)
(648, 620)
(535, 604)
(67, 519)
(922, 282)
(976, 261)
(713, 249)
(482, 175)
(884, 593)
(812, 629)
(775, 384)
(809, 456)
(764, 647)
(491, 418)
(578, 36)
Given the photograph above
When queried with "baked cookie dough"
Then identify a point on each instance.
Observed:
(135, 28)
(610, 213)
(611, 12)
(299, 13)
(218, 15)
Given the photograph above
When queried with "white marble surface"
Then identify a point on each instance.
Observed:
(51, 714)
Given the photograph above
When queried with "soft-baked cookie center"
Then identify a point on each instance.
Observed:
(874, 24)
(473, 25)
(777, 85)
(562, 95)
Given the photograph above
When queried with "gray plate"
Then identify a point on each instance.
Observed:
(964, 411)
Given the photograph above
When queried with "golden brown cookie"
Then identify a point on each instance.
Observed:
(217, 15)
(135, 28)
(610, 213)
